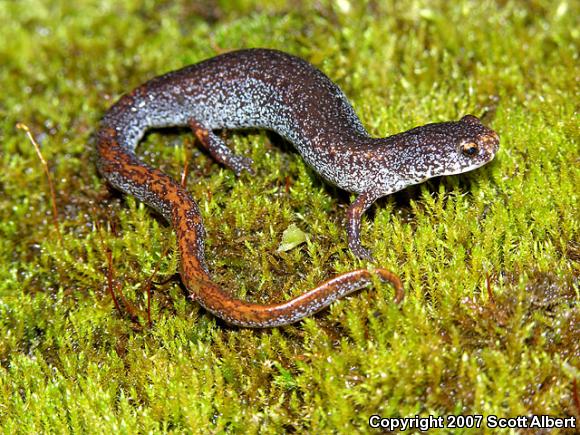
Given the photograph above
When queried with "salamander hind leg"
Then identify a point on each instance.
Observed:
(219, 150)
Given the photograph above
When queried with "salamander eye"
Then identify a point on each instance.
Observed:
(469, 148)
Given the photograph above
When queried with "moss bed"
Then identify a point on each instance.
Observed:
(490, 259)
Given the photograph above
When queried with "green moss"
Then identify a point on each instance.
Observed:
(489, 259)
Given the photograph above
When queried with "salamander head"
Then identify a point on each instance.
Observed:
(476, 145)
(445, 148)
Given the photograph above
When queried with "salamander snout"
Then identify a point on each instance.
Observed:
(484, 145)
(478, 143)
(490, 141)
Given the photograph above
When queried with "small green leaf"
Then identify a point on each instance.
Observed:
(292, 237)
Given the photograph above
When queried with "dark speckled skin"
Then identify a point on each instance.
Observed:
(269, 89)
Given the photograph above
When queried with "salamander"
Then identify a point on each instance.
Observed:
(273, 90)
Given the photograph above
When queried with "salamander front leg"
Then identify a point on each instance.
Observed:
(219, 150)
(353, 224)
